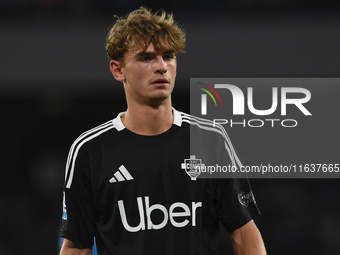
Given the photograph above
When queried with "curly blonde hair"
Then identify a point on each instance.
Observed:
(139, 29)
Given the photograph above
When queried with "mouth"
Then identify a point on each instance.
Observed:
(160, 82)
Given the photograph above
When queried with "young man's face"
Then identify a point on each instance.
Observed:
(149, 74)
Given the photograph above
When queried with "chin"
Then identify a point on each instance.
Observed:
(160, 98)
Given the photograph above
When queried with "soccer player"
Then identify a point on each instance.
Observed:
(132, 182)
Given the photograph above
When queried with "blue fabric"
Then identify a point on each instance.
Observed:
(94, 248)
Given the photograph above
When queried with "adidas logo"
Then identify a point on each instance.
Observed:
(121, 175)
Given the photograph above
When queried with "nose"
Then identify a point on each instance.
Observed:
(161, 65)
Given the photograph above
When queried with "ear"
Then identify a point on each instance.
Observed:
(116, 70)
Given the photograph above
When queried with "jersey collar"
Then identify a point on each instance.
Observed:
(120, 126)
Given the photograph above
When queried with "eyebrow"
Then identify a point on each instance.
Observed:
(144, 53)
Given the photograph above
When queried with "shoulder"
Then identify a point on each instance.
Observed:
(205, 127)
(209, 141)
(95, 133)
(88, 141)
(207, 133)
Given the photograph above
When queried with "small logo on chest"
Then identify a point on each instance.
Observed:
(121, 175)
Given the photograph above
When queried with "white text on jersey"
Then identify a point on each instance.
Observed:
(173, 214)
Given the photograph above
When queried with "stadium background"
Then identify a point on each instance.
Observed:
(55, 84)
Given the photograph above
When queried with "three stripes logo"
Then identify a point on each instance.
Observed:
(121, 175)
(204, 97)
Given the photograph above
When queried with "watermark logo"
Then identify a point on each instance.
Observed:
(204, 97)
(253, 100)
(239, 98)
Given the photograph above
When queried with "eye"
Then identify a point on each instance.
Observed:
(168, 57)
(145, 59)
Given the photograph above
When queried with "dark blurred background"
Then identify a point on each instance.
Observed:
(55, 84)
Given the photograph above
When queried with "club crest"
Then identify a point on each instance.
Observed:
(193, 167)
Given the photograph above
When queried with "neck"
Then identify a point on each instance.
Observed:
(148, 120)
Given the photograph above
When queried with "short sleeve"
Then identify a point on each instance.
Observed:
(235, 203)
(78, 206)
